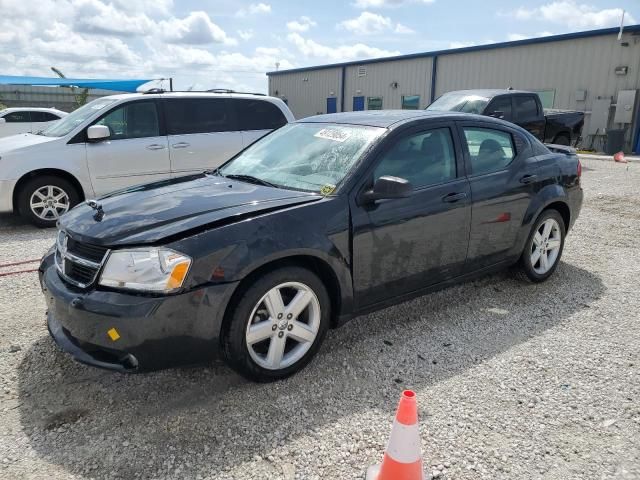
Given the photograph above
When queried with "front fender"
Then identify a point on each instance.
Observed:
(318, 230)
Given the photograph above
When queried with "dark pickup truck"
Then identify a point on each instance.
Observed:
(561, 127)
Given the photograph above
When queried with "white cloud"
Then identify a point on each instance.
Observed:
(372, 23)
(195, 29)
(93, 16)
(312, 49)
(301, 25)
(364, 4)
(512, 37)
(461, 44)
(245, 34)
(573, 15)
(254, 9)
(403, 29)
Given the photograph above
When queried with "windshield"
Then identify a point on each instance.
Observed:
(77, 117)
(312, 157)
(459, 102)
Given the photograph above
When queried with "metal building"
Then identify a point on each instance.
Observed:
(594, 71)
(62, 98)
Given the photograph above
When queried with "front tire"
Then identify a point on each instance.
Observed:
(43, 199)
(277, 324)
(544, 247)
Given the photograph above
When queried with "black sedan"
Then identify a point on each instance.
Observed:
(324, 219)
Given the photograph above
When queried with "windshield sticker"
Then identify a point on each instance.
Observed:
(333, 134)
(327, 189)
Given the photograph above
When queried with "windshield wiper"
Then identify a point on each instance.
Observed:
(250, 179)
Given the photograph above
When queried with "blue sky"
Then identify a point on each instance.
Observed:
(232, 43)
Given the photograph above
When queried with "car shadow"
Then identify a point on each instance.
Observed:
(103, 424)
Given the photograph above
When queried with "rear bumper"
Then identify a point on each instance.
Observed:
(6, 195)
(125, 332)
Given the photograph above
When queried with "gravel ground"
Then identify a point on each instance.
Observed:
(513, 380)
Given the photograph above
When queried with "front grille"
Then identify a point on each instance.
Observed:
(78, 263)
(85, 250)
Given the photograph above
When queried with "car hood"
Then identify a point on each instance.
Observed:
(22, 140)
(150, 213)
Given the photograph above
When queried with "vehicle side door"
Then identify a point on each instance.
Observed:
(404, 245)
(202, 133)
(256, 118)
(503, 175)
(528, 114)
(500, 107)
(18, 121)
(136, 152)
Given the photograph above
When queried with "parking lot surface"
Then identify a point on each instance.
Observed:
(514, 380)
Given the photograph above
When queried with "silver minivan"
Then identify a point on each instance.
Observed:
(122, 140)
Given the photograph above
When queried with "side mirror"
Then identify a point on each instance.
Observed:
(497, 114)
(386, 188)
(97, 133)
(3, 120)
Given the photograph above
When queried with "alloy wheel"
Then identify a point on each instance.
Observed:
(49, 202)
(545, 247)
(283, 325)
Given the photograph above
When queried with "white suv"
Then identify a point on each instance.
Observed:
(123, 140)
(27, 119)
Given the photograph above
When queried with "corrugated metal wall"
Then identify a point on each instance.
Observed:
(413, 77)
(564, 66)
(306, 93)
(57, 97)
(580, 64)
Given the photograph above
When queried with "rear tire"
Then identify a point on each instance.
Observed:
(43, 199)
(267, 335)
(543, 249)
(562, 140)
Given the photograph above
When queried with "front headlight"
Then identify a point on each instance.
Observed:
(152, 270)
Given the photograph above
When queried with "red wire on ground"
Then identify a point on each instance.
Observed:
(6, 274)
(3, 265)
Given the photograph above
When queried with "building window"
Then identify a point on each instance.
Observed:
(374, 103)
(547, 97)
(410, 102)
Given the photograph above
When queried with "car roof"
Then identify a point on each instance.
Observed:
(487, 92)
(31, 109)
(223, 94)
(390, 118)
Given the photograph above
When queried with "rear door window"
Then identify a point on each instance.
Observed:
(526, 107)
(43, 117)
(257, 115)
(18, 117)
(501, 104)
(197, 115)
(489, 149)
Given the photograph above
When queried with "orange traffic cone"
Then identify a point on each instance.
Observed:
(402, 459)
(619, 157)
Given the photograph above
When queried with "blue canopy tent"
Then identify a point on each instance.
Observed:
(116, 85)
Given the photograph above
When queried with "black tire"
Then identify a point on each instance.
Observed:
(32, 185)
(233, 336)
(562, 139)
(525, 269)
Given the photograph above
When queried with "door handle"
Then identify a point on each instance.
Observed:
(528, 179)
(155, 146)
(454, 197)
(181, 145)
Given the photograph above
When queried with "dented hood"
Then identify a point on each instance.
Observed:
(150, 213)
